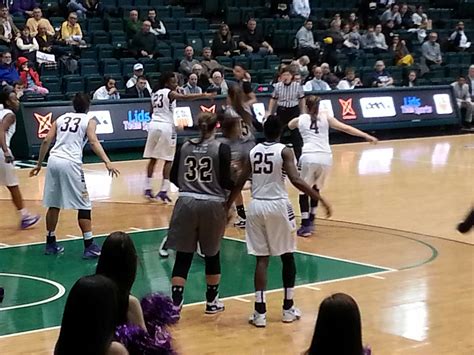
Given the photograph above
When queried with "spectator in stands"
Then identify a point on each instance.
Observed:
(306, 44)
(368, 40)
(203, 79)
(459, 40)
(470, 81)
(94, 7)
(218, 83)
(301, 8)
(252, 43)
(89, 319)
(352, 43)
(393, 13)
(431, 50)
(133, 25)
(208, 64)
(139, 89)
(380, 43)
(406, 16)
(338, 328)
(223, 45)
(350, 81)
(400, 52)
(388, 31)
(8, 72)
(78, 7)
(411, 79)
(18, 89)
(47, 43)
(368, 13)
(380, 77)
(418, 16)
(137, 72)
(244, 80)
(157, 26)
(279, 8)
(336, 21)
(333, 41)
(36, 20)
(30, 78)
(186, 64)
(352, 19)
(145, 44)
(22, 7)
(317, 83)
(463, 98)
(302, 67)
(328, 76)
(108, 91)
(71, 32)
(8, 30)
(191, 86)
(26, 45)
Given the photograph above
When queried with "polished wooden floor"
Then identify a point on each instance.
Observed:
(395, 205)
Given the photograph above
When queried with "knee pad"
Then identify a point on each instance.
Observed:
(213, 264)
(84, 214)
(288, 270)
(182, 264)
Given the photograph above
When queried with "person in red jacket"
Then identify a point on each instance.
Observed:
(29, 77)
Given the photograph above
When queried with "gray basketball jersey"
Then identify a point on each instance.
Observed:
(199, 170)
(239, 152)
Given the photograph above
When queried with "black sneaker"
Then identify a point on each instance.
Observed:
(215, 306)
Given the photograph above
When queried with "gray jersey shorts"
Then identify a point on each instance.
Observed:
(196, 221)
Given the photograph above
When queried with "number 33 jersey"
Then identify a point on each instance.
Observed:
(71, 136)
(162, 107)
(268, 175)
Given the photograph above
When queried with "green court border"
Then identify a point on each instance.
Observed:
(235, 297)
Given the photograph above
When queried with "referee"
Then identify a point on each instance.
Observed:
(288, 95)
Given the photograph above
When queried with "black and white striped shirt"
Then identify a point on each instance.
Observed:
(288, 95)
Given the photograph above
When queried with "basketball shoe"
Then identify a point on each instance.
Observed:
(29, 220)
(53, 249)
(163, 196)
(163, 249)
(290, 315)
(240, 223)
(215, 306)
(304, 231)
(257, 319)
(149, 194)
(91, 252)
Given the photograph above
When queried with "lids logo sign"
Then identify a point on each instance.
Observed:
(412, 105)
(44, 124)
(348, 112)
(375, 107)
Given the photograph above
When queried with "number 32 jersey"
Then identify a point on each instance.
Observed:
(71, 136)
(162, 107)
(268, 175)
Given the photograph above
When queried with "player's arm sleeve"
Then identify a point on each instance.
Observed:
(175, 167)
(224, 167)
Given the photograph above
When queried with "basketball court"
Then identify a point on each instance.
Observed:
(391, 244)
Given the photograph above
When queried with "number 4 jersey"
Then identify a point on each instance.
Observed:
(268, 176)
(71, 136)
(315, 134)
(204, 170)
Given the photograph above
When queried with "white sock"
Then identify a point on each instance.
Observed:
(87, 235)
(23, 212)
(148, 183)
(165, 185)
(289, 293)
(260, 296)
(313, 210)
(304, 215)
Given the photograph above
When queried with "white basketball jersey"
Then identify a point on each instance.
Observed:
(12, 129)
(315, 133)
(71, 136)
(162, 107)
(268, 176)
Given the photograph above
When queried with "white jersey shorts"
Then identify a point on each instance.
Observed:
(315, 169)
(161, 141)
(65, 186)
(7, 172)
(270, 228)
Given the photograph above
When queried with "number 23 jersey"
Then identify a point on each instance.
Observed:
(268, 175)
(71, 136)
(162, 107)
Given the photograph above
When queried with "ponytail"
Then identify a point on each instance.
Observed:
(312, 102)
(207, 122)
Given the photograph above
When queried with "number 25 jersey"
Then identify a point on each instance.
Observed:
(268, 175)
(71, 136)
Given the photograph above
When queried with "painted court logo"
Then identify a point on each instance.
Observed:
(348, 112)
(44, 124)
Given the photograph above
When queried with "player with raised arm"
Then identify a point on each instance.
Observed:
(316, 159)
(161, 140)
(270, 218)
(9, 104)
(65, 186)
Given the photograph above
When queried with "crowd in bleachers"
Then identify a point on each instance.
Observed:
(74, 45)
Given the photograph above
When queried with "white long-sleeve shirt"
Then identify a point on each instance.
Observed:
(301, 8)
(102, 94)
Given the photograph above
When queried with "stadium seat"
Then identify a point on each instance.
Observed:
(100, 37)
(118, 39)
(89, 53)
(280, 40)
(176, 36)
(245, 61)
(465, 58)
(197, 45)
(283, 24)
(88, 66)
(104, 51)
(165, 64)
(200, 24)
(185, 24)
(55, 21)
(110, 66)
(149, 64)
(73, 84)
(95, 24)
(272, 62)
(127, 65)
(246, 13)
(93, 82)
(257, 64)
(114, 24)
(163, 11)
(225, 61)
(164, 49)
(452, 58)
(233, 16)
(211, 7)
(52, 83)
(265, 76)
(178, 12)
(142, 3)
(47, 70)
(452, 70)
(54, 96)
(177, 50)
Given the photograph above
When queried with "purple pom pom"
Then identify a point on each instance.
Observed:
(158, 311)
(138, 341)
